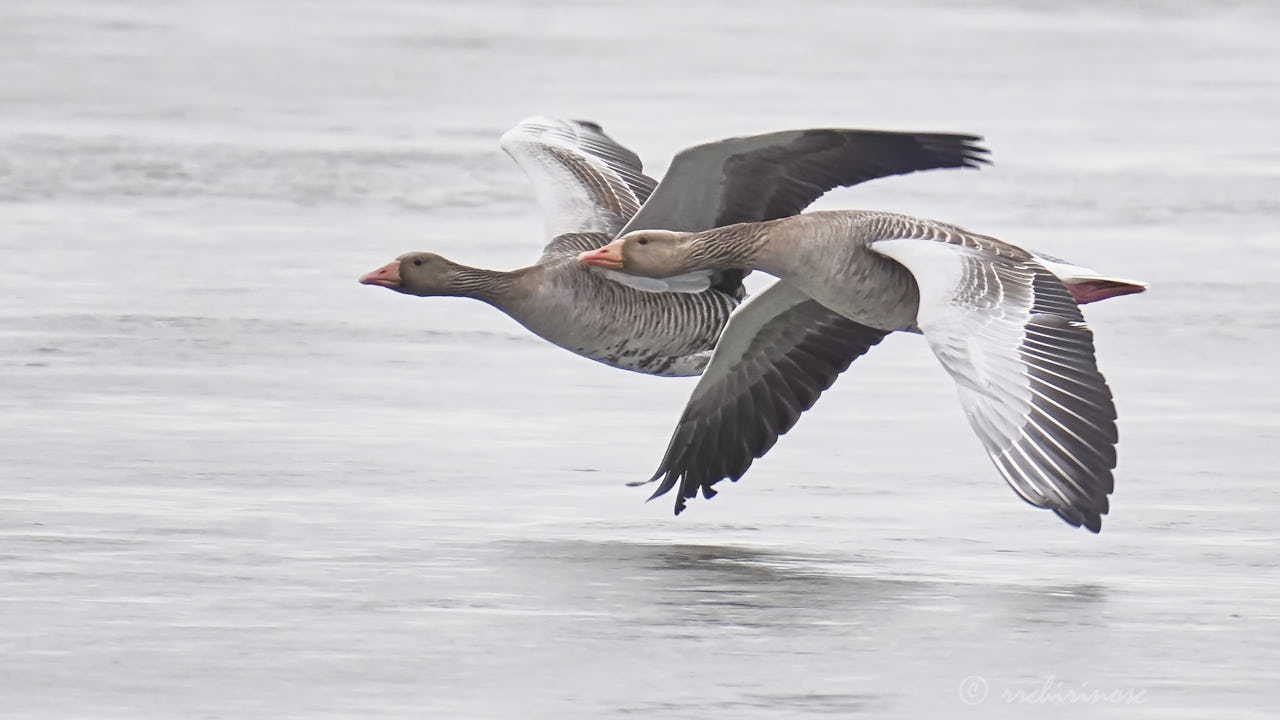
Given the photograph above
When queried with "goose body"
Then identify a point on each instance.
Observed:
(1004, 322)
(591, 188)
(585, 313)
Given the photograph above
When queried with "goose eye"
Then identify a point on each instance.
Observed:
(417, 262)
(642, 241)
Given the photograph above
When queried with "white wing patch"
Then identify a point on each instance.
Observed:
(691, 282)
(583, 180)
(973, 321)
(1013, 339)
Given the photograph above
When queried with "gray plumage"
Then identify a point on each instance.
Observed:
(792, 350)
(589, 186)
(1005, 326)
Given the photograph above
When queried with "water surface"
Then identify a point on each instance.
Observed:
(237, 484)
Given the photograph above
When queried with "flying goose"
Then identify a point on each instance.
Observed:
(1003, 321)
(590, 188)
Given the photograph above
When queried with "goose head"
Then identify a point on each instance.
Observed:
(646, 253)
(417, 273)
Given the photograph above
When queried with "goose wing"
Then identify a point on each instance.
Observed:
(779, 174)
(585, 181)
(776, 175)
(779, 351)
(1013, 339)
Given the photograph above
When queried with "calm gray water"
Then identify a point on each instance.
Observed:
(235, 484)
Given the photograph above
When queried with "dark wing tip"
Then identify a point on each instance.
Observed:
(589, 124)
(975, 153)
(667, 482)
(724, 429)
(967, 151)
(1090, 520)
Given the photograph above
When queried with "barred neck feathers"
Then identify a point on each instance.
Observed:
(496, 287)
(774, 246)
(731, 246)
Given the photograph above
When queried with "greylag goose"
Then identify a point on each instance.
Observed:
(1003, 321)
(590, 188)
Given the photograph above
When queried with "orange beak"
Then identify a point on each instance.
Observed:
(388, 276)
(608, 257)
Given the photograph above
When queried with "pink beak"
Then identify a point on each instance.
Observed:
(388, 276)
(608, 257)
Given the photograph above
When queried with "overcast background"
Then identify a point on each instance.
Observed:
(236, 484)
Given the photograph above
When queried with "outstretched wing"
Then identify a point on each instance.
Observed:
(775, 175)
(779, 174)
(779, 351)
(1013, 339)
(584, 180)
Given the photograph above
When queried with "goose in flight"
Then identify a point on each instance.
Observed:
(1004, 322)
(590, 188)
